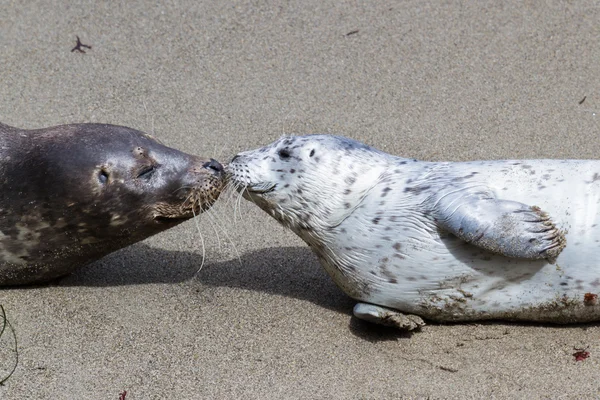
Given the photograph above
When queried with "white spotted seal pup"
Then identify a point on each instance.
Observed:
(71, 194)
(447, 241)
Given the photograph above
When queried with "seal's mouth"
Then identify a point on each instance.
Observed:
(170, 220)
(261, 188)
(194, 205)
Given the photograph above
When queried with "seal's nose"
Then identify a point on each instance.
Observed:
(214, 166)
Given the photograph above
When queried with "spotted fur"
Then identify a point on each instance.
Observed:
(448, 241)
(71, 194)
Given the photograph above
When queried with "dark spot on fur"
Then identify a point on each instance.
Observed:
(462, 178)
(417, 189)
(376, 220)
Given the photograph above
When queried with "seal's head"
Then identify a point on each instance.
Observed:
(74, 193)
(308, 182)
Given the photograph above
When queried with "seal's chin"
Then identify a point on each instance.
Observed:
(179, 218)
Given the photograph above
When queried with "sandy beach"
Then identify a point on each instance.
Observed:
(261, 319)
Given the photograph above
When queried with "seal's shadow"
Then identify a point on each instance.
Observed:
(287, 271)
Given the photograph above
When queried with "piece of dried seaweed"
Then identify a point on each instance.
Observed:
(6, 323)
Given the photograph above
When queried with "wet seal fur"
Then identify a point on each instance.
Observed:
(71, 194)
(446, 241)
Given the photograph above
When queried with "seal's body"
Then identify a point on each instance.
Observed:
(448, 241)
(71, 194)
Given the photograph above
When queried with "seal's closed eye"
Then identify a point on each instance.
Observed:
(147, 172)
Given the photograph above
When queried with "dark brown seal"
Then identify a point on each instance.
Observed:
(71, 194)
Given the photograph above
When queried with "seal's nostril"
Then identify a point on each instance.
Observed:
(213, 165)
(234, 158)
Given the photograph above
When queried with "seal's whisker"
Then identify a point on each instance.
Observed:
(222, 226)
(234, 194)
(238, 206)
(239, 199)
(231, 193)
(226, 189)
(152, 130)
(210, 220)
(235, 197)
(201, 241)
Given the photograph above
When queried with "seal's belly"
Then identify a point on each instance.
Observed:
(399, 258)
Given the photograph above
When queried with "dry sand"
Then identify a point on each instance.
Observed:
(433, 80)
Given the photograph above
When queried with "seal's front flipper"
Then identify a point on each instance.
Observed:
(505, 227)
(387, 316)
